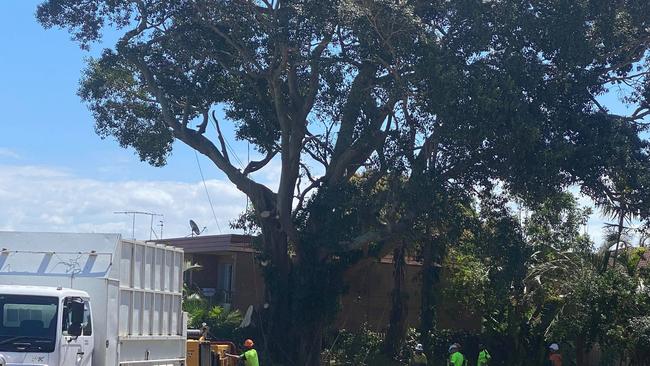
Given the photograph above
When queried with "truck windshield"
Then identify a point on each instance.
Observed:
(28, 323)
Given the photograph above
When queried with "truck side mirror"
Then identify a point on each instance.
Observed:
(76, 307)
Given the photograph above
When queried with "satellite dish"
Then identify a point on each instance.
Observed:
(195, 228)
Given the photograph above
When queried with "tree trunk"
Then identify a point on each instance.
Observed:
(290, 340)
(309, 345)
(619, 235)
(515, 354)
(427, 303)
(431, 254)
(397, 326)
(278, 292)
(294, 325)
(580, 350)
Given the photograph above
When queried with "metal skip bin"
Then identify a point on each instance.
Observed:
(150, 301)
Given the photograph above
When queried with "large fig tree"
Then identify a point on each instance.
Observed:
(350, 94)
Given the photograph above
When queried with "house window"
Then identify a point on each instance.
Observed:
(224, 281)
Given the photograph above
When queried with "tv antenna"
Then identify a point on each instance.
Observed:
(195, 228)
(150, 214)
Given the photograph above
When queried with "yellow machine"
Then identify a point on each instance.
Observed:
(192, 355)
(220, 349)
(201, 352)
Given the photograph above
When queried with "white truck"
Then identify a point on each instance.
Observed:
(89, 299)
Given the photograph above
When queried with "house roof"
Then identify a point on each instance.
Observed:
(212, 243)
(644, 260)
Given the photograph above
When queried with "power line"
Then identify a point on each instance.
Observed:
(232, 151)
(207, 193)
(234, 154)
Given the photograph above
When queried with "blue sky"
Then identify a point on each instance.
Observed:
(51, 160)
(56, 174)
(40, 70)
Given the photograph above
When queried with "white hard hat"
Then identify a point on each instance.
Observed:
(418, 347)
(554, 347)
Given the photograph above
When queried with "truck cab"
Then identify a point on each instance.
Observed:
(45, 326)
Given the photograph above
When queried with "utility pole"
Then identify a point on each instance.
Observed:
(150, 214)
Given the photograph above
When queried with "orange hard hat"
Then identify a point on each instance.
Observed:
(249, 343)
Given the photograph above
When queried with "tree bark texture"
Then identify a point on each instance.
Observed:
(397, 326)
(430, 280)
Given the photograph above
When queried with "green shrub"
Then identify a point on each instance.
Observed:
(223, 323)
(639, 344)
(363, 347)
(353, 348)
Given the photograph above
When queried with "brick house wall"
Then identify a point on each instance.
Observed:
(367, 300)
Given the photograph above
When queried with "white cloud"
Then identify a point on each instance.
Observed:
(35, 198)
(8, 153)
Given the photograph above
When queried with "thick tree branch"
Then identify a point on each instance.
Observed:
(230, 41)
(292, 80)
(323, 144)
(427, 151)
(222, 141)
(314, 77)
(626, 77)
(260, 195)
(349, 161)
(315, 156)
(634, 118)
(186, 113)
(600, 107)
(305, 168)
(254, 166)
(292, 134)
(315, 183)
(141, 27)
(358, 93)
(204, 124)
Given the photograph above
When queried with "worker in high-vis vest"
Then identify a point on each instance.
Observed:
(249, 356)
(484, 356)
(419, 358)
(455, 357)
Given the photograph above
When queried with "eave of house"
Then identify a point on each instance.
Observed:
(212, 244)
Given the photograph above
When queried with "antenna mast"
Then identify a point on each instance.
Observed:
(150, 214)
